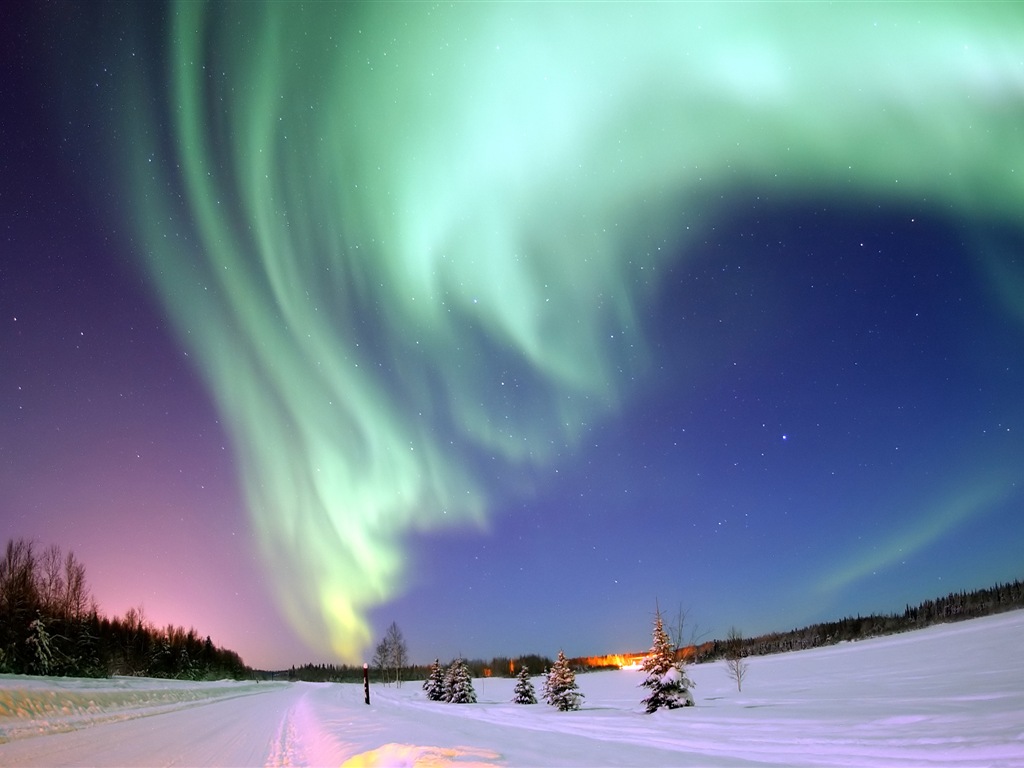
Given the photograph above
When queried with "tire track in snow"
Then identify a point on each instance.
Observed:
(286, 749)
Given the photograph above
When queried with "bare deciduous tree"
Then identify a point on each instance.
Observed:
(51, 581)
(391, 655)
(677, 630)
(399, 652)
(76, 599)
(735, 663)
(18, 588)
(382, 658)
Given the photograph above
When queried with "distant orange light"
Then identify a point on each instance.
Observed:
(618, 660)
(636, 660)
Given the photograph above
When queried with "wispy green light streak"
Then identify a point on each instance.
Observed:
(941, 517)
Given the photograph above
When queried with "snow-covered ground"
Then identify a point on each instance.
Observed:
(951, 695)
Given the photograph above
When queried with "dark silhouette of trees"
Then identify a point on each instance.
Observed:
(44, 611)
(324, 673)
(50, 625)
(956, 606)
(534, 661)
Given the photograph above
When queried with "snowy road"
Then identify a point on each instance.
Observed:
(946, 696)
(227, 730)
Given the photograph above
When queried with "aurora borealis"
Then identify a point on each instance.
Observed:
(518, 317)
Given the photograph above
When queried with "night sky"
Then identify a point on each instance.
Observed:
(508, 322)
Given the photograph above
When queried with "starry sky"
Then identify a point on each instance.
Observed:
(508, 322)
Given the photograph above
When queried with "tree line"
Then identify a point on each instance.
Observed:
(50, 625)
(384, 672)
(390, 664)
(956, 606)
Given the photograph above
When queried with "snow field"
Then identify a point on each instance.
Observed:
(950, 695)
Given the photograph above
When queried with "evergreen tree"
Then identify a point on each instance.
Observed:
(43, 661)
(449, 682)
(666, 679)
(560, 689)
(524, 693)
(434, 684)
(458, 684)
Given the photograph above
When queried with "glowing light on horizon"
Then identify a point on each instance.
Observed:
(405, 241)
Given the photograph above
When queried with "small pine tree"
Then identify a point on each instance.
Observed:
(560, 689)
(524, 693)
(434, 684)
(669, 685)
(458, 684)
(449, 680)
(39, 639)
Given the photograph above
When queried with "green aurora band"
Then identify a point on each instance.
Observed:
(405, 242)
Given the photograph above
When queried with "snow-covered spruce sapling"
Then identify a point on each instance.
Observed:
(669, 686)
(42, 648)
(524, 693)
(560, 689)
(434, 684)
(458, 684)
